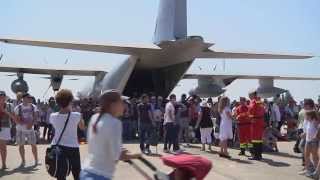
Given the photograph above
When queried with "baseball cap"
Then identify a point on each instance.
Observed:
(2, 93)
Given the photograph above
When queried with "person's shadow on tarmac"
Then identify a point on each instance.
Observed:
(275, 163)
(21, 170)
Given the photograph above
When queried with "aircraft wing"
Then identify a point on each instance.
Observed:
(247, 55)
(252, 76)
(50, 70)
(126, 49)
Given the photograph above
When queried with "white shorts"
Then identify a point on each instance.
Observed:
(26, 137)
(206, 135)
(5, 134)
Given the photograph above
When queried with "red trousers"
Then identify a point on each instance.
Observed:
(244, 135)
(257, 129)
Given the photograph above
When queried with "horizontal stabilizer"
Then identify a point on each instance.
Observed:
(247, 55)
(126, 49)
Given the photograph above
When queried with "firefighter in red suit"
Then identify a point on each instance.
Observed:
(256, 114)
(244, 126)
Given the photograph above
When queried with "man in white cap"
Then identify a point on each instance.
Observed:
(26, 113)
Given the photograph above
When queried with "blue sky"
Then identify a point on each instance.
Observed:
(267, 25)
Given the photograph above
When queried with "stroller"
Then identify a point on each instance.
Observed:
(185, 167)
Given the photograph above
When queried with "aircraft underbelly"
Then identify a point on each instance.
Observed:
(160, 81)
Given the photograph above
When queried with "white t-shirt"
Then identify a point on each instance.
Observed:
(69, 137)
(27, 115)
(169, 112)
(310, 127)
(104, 146)
(277, 113)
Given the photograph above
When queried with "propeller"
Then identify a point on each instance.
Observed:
(66, 61)
(1, 57)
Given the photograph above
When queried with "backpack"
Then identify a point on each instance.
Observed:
(57, 164)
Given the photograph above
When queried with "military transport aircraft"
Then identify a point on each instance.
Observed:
(154, 67)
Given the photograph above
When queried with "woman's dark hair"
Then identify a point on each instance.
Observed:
(172, 96)
(64, 97)
(308, 102)
(312, 115)
(106, 100)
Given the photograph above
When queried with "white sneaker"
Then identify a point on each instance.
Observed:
(166, 151)
(303, 172)
(313, 175)
(177, 152)
(309, 174)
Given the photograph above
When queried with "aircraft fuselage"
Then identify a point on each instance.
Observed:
(160, 72)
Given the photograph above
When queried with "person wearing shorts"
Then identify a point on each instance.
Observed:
(311, 148)
(26, 117)
(6, 116)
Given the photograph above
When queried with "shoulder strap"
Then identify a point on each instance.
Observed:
(64, 128)
(33, 113)
(20, 110)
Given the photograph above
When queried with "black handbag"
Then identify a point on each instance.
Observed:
(57, 164)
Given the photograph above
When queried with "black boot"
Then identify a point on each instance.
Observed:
(242, 152)
(260, 149)
(250, 147)
(254, 152)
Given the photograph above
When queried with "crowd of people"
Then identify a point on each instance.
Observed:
(253, 124)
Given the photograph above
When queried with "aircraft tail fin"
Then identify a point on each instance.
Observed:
(171, 22)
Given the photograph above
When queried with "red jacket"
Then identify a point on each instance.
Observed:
(256, 110)
(242, 114)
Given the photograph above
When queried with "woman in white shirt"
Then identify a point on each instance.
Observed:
(105, 139)
(69, 140)
(225, 126)
(312, 143)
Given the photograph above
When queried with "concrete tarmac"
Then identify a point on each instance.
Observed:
(277, 166)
